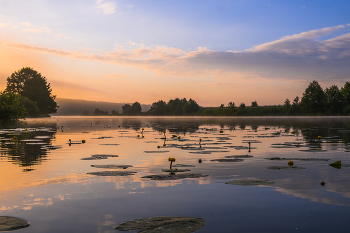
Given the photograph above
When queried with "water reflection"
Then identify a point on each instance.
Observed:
(26, 147)
(196, 143)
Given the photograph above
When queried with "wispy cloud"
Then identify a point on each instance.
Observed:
(37, 29)
(106, 8)
(3, 25)
(300, 56)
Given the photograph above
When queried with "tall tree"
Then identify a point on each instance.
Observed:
(313, 100)
(254, 104)
(126, 109)
(29, 83)
(334, 100)
(135, 109)
(158, 108)
(346, 93)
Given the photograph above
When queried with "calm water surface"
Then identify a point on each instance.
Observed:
(45, 181)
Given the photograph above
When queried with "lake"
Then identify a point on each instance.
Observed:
(54, 173)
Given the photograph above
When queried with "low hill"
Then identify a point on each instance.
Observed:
(73, 107)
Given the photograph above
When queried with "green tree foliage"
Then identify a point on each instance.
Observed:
(334, 100)
(346, 93)
(231, 105)
(30, 106)
(135, 109)
(287, 103)
(313, 100)
(126, 109)
(242, 105)
(115, 113)
(10, 108)
(158, 108)
(190, 107)
(175, 107)
(254, 104)
(29, 83)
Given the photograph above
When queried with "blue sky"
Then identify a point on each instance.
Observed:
(191, 46)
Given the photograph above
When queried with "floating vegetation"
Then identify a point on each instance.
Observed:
(175, 170)
(250, 182)
(214, 148)
(109, 144)
(302, 159)
(204, 152)
(191, 148)
(241, 147)
(163, 224)
(251, 141)
(285, 168)
(11, 223)
(98, 156)
(336, 164)
(156, 151)
(313, 150)
(175, 176)
(151, 142)
(223, 138)
(74, 142)
(112, 173)
(112, 166)
(239, 156)
(183, 165)
(227, 160)
(103, 137)
(51, 147)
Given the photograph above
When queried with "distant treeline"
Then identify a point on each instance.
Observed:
(332, 101)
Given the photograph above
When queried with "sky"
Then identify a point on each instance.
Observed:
(214, 52)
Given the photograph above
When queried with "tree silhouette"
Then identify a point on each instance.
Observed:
(313, 100)
(29, 83)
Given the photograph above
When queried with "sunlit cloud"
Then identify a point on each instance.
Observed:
(106, 8)
(26, 24)
(37, 30)
(299, 56)
(3, 25)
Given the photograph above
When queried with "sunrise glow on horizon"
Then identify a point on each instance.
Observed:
(214, 52)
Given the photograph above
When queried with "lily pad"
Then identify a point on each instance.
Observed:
(156, 151)
(112, 166)
(51, 147)
(239, 156)
(112, 173)
(11, 223)
(228, 160)
(163, 224)
(207, 151)
(302, 159)
(175, 170)
(97, 157)
(250, 182)
(285, 168)
(175, 176)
